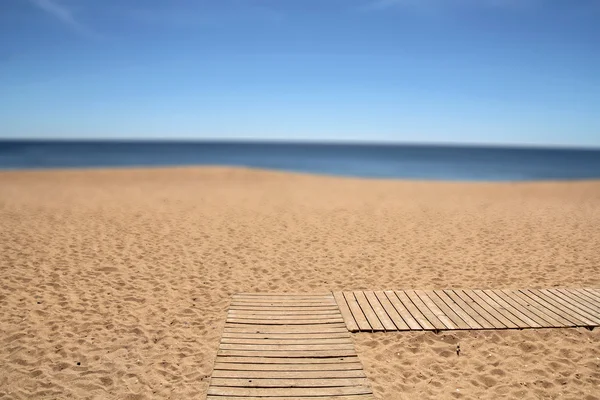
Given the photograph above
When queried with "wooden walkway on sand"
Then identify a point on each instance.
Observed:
(436, 310)
(282, 346)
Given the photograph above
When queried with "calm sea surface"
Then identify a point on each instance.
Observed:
(375, 161)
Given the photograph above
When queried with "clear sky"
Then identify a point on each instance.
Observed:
(473, 71)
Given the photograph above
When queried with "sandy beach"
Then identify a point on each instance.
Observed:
(115, 283)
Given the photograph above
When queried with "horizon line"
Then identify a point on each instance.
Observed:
(347, 142)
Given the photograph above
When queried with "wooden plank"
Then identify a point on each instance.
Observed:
(351, 373)
(474, 305)
(555, 321)
(508, 316)
(284, 321)
(588, 306)
(290, 392)
(347, 397)
(284, 312)
(435, 310)
(555, 307)
(567, 308)
(270, 317)
(593, 293)
(290, 354)
(506, 303)
(286, 336)
(412, 323)
(376, 306)
(525, 308)
(275, 304)
(458, 310)
(281, 297)
(368, 311)
(391, 311)
(322, 328)
(344, 340)
(319, 367)
(285, 309)
(415, 314)
(587, 296)
(345, 311)
(287, 294)
(287, 383)
(286, 347)
(448, 312)
(258, 359)
(357, 313)
(424, 310)
(490, 309)
(547, 308)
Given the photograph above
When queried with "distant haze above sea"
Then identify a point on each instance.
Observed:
(454, 163)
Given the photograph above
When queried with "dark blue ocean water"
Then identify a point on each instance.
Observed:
(377, 161)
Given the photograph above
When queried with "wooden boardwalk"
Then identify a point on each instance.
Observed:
(436, 310)
(287, 347)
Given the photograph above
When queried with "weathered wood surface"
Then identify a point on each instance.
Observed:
(278, 346)
(436, 310)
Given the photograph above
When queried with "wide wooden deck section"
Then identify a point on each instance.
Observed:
(282, 346)
(437, 310)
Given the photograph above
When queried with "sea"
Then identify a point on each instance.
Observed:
(449, 163)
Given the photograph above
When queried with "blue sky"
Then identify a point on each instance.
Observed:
(466, 71)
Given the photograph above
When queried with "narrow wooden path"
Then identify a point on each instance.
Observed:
(282, 346)
(436, 310)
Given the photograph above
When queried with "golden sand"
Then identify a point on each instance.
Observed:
(115, 283)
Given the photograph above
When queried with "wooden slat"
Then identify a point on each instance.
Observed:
(439, 325)
(392, 312)
(587, 296)
(567, 308)
(258, 359)
(457, 321)
(284, 321)
(435, 310)
(345, 311)
(262, 294)
(593, 293)
(585, 305)
(523, 308)
(481, 301)
(285, 309)
(265, 328)
(237, 315)
(550, 304)
(547, 308)
(583, 299)
(290, 353)
(368, 311)
(414, 312)
(290, 392)
(458, 310)
(326, 340)
(411, 322)
(286, 336)
(505, 303)
(553, 320)
(384, 318)
(351, 373)
(278, 367)
(287, 383)
(286, 347)
(284, 312)
(359, 317)
(474, 305)
(347, 397)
